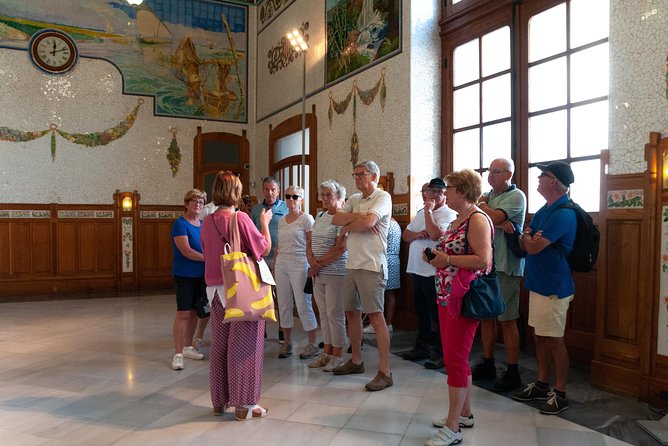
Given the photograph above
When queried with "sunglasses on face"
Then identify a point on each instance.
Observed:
(292, 197)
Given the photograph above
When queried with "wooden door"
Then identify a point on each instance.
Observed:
(216, 151)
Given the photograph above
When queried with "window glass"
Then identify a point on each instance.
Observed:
(496, 51)
(291, 145)
(496, 98)
(547, 33)
(547, 85)
(466, 102)
(496, 142)
(586, 189)
(467, 149)
(534, 199)
(589, 73)
(547, 137)
(589, 129)
(466, 63)
(590, 21)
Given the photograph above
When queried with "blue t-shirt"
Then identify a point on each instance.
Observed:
(547, 272)
(183, 266)
(279, 209)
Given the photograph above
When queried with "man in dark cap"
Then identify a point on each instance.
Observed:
(423, 231)
(548, 278)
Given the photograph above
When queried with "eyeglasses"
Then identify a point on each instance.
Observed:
(360, 175)
(327, 195)
(292, 197)
(200, 202)
(497, 171)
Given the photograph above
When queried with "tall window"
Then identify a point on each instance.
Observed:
(530, 82)
(285, 161)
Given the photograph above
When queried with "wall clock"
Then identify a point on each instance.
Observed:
(53, 51)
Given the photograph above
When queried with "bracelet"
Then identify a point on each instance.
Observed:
(448, 260)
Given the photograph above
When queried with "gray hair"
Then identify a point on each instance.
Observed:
(370, 166)
(335, 187)
(269, 179)
(295, 189)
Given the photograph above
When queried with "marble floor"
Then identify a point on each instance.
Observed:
(98, 372)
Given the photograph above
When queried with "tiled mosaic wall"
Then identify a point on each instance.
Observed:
(638, 83)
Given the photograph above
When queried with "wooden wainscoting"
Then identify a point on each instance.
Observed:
(154, 246)
(64, 249)
(624, 314)
(53, 248)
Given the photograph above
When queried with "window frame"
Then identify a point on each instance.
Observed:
(471, 19)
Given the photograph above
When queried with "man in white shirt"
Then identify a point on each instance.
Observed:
(365, 218)
(427, 227)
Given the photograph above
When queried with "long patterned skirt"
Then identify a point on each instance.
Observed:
(237, 359)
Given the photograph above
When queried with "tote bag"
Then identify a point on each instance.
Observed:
(483, 300)
(247, 296)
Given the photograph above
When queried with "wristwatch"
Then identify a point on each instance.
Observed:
(430, 211)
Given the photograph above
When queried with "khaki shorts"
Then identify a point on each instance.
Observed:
(547, 314)
(510, 288)
(364, 290)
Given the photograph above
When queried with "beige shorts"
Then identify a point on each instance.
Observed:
(547, 314)
(510, 288)
(364, 291)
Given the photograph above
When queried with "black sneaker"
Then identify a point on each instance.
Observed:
(419, 351)
(433, 363)
(483, 371)
(281, 338)
(555, 404)
(509, 381)
(532, 393)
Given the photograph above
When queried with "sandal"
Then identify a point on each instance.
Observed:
(250, 412)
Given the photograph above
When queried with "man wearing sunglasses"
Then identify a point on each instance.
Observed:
(548, 278)
(366, 219)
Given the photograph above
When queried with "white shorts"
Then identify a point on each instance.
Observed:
(547, 314)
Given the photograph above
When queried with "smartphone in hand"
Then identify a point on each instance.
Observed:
(430, 255)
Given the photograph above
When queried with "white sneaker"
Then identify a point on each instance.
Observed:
(191, 353)
(334, 362)
(177, 362)
(369, 330)
(444, 437)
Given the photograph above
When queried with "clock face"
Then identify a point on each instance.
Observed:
(53, 51)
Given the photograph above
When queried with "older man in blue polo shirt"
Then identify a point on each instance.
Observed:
(548, 278)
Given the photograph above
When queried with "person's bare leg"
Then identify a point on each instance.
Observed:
(382, 340)
(488, 335)
(355, 333)
(560, 361)
(543, 357)
(199, 331)
(389, 306)
(511, 340)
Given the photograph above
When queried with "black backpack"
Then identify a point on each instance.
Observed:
(585, 246)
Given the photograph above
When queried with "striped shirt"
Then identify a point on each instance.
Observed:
(323, 238)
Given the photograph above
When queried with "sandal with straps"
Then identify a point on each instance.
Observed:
(250, 412)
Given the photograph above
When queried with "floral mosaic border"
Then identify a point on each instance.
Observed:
(626, 199)
(126, 241)
(167, 215)
(86, 214)
(25, 213)
(269, 10)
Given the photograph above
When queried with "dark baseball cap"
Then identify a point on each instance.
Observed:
(437, 183)
(561, 170)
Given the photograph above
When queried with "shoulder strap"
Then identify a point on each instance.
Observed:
(233, 228)
(466, 235)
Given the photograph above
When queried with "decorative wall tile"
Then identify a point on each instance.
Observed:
(166, 215)
(85, 214)
(626, 199)
(127, 246)
(23, 213)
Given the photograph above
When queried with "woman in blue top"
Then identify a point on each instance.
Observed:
(188, 272)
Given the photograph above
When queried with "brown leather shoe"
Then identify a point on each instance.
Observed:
(348, 368)
(380, 382)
